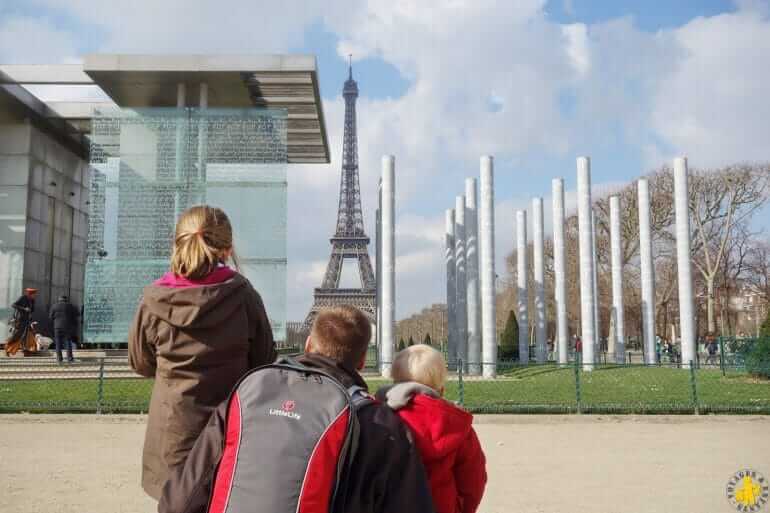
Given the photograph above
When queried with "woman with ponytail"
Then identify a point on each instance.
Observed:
(197, 330)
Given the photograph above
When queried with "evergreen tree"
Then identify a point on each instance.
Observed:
(411, 340)
(427, 341)
(401, 344)
(764, 331)
(509, 345)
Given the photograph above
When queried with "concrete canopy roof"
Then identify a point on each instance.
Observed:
(287, 82)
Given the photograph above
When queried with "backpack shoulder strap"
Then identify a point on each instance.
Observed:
(359, 397)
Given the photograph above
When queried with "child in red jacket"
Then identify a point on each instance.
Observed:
(450, 449)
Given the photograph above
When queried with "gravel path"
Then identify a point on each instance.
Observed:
(538, 463)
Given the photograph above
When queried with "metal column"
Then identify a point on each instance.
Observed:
(462, 313)
(487, 267)
(472, 273)
(538, 263)
(388, 263)
(559, 268)
(684, 262)
(451, 283)
(588, 329)
(522, 292)
(648, 271)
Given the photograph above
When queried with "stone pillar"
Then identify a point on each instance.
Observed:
(451, 284)
(587, 299)
(598, 327)
(559, 268)
(388, 314)
(684, 262)
(522, 294)
(617, 350)
(462, 312)
(538, 264)
(487, 268)
(648, 271)
(472, 273)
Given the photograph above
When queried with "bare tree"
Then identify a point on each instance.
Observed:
(719, 201)
(758, 267)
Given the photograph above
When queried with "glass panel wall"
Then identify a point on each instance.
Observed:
(149, 166)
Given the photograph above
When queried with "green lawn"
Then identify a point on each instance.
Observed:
(519, 389)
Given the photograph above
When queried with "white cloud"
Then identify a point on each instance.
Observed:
(713, 106)
(486, 77)
(26, 40)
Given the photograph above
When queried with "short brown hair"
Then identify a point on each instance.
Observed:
(203, 236)
(341, 333)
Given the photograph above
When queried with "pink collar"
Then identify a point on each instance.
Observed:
(219, 275)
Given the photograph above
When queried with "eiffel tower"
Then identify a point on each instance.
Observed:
(349, 239)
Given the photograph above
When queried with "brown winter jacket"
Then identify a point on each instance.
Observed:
(196, 342)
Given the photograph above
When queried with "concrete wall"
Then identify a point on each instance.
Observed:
(43, 217)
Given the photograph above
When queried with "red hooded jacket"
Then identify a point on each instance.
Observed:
(450, 449)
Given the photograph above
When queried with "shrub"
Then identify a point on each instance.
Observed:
(509, 343)
(758, 358)
(765, 330)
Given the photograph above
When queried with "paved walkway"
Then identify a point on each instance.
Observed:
(538, 463)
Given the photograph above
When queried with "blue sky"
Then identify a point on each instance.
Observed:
(535, 83)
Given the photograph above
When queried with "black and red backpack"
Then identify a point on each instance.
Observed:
(291, 433)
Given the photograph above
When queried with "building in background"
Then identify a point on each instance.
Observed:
(171, 132)
(44, 182)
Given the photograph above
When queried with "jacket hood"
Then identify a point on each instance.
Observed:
(196, 307)
(339, 371)
(439, 427)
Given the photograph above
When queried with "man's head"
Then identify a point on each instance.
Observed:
(423, 364)
(341, 333)
(30, 293)
(63, 299)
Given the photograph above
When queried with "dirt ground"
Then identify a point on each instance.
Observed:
(538, 463)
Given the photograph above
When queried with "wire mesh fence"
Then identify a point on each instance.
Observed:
(725, 385)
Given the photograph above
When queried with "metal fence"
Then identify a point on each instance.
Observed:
(710, 385)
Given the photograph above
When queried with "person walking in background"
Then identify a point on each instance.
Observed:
(64, 317)
(197, 330)
(21, 337)
(450, 449)
(712, 348)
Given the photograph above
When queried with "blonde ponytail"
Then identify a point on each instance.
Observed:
(202, 241)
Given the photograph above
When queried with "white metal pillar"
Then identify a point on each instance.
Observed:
(522, 293)
(472, 273)
(538, 263)
(617, 350)
(462, 312)
(648, 271)
(683, 258)
(388, 263)
(597, 326)
(378, 271)
(487, 267)
(559, 267)
(451, 283)
(588, 329)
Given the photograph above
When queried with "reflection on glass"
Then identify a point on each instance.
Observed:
(149, 166)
